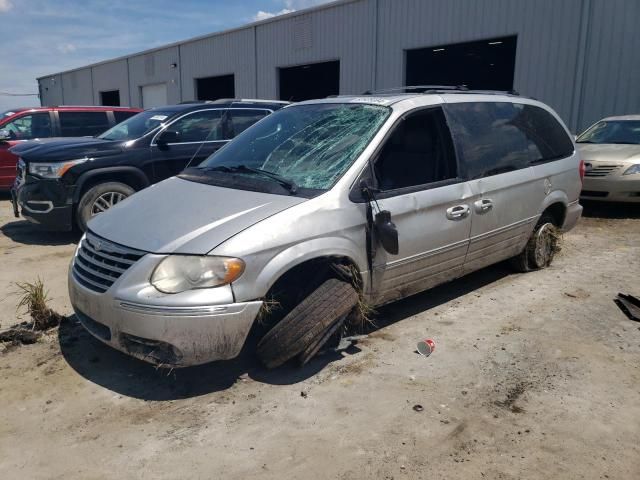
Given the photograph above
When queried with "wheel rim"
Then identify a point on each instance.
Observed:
(105, 201)
(544, 246)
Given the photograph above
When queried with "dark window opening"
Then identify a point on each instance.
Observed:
(306, 82)
(243, 119)
(214, 88)
(83, 124)
(110, 98)
(420, 151)
(122, 115)
(482, 65)
(499, 137)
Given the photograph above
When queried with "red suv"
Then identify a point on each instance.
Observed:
(42, 122)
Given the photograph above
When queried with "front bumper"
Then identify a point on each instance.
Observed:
(44, 202)
(158, 333)
(613, 188)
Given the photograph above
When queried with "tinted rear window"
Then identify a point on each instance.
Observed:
(121, 116)
(498, 137)
(83, 124)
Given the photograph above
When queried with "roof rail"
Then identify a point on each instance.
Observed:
(417, 89)
(439, 89)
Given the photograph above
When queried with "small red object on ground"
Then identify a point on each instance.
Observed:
(426, 347)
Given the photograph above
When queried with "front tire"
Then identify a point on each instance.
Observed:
(100, 198)
(305, 328)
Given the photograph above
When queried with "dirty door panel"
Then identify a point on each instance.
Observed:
(417, 173)
(493, 145)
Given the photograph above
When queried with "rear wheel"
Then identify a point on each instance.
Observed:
(309, 325)
(541, 247)
(100, 198)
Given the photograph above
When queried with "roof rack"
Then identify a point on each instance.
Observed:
(438, 89)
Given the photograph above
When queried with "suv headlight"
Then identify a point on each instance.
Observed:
(53, 170)
(179, 273)
(632, 169)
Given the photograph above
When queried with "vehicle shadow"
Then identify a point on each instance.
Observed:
(128, 376)
(592, 209)
(21, 231)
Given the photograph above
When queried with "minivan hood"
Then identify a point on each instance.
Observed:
(179, 216)
(63, 149)
(610, 152)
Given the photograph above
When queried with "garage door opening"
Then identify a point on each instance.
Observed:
(154, 95)
(110, 98)
(306, 82)
(483, 65)
(213, 88)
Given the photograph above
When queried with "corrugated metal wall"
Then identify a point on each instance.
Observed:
(344, 32)
(111, 76)
(153, 68)
(230, 53)
(580, 56)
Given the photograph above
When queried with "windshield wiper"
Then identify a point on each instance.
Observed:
(285, 182)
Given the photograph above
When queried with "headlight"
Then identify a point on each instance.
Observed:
(178, 273)
(632, 169)
(53, 170)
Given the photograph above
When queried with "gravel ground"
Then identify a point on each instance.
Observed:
(534, 376)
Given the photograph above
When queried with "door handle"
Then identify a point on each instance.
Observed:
(483, 206)
(458, 212)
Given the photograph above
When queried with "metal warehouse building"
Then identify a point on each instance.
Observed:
(579, 56)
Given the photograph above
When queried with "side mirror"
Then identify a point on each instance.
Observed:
(166, 137)
(387, 232)
(5, 135)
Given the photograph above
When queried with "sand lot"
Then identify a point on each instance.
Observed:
(535, 376)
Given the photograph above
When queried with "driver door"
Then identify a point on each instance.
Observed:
(417, 177)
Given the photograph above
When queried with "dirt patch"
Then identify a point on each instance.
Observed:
(513, 394)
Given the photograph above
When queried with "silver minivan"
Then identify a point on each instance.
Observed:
(319, 211)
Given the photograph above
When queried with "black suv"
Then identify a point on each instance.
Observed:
(60, 182)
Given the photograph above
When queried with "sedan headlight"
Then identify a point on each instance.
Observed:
(632, 169)
(53, 170)
(179, 273)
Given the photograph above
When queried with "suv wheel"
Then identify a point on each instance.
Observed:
(100, 198)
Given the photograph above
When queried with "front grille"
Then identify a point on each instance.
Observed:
(600, 170)
(99, 262)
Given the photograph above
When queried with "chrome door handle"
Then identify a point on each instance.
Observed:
(458, 212)
(483, 206)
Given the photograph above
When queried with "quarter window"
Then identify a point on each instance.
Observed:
(498, 137)
(243, 119)
(419, 152)
(201, 126)
(83, 124)
(34, 125)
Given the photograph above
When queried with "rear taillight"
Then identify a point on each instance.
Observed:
(582, 170)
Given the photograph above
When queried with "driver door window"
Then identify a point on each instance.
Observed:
(419, 152)
(27, 127)
(416, 172)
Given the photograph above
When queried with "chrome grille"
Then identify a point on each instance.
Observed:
(99, 262)
(599, 170)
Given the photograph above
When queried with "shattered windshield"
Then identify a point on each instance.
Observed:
(310, 146)
(136, 126)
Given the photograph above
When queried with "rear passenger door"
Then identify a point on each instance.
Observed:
(199, 134)
(494, 149)
(417, 175)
